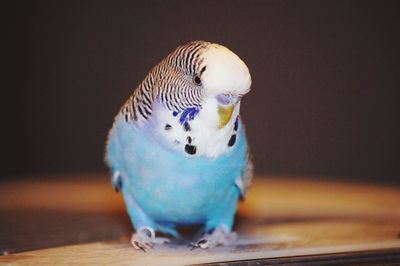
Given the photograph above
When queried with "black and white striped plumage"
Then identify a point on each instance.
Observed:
(176, 81)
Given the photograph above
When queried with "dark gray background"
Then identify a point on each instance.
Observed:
(324, 94)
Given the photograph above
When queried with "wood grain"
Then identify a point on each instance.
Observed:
(281, 217)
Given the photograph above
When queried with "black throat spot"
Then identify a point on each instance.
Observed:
(191, 149)
(232, 140)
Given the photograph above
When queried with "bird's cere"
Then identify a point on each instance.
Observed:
(226, 99)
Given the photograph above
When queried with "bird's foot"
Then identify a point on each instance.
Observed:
(220, 236)
(145, 238)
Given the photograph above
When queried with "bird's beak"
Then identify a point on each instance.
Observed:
(225, 114)
(227, 103)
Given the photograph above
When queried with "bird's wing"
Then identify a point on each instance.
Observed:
(244, 181)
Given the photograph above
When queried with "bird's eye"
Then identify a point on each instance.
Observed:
(197, 80)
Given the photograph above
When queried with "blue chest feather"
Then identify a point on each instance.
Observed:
(172, 186)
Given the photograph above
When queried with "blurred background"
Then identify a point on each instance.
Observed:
(325, 80)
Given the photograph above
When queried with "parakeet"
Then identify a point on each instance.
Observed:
(178, 150)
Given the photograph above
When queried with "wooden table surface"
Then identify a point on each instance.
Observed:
(80, 220)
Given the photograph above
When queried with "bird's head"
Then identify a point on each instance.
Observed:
(202, 72)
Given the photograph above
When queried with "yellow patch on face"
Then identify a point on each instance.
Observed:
(225, 114)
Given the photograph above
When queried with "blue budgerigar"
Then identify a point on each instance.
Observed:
(178, 150)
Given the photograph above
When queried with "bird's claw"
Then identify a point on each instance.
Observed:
(145, 238)
(202, 243)
(220, 236)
